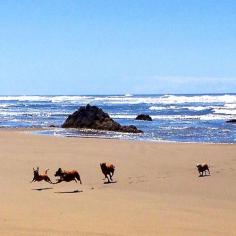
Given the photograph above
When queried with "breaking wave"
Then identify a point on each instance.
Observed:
(129, 99)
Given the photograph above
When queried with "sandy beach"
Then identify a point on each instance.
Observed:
(158, 191)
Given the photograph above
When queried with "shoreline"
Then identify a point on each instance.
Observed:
(32, 131)
(153, 180)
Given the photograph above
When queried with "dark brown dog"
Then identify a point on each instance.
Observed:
(107, 170)
(67, 176)
(39, 177)
(202, 168)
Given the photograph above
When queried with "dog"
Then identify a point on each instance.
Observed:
(107, 170)
(39, 177)
(67, 176)
(202, 169)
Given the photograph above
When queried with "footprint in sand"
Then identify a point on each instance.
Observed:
(137, 179)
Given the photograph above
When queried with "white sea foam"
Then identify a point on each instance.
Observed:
(215, 117)
(230, 105)
(5, 105)
(169, 99)
(166, 99)
(191, 108)
(199, 99)
(33, 113)
(81, 99)
(225, 111)
(155, 108)
(198, 108)
(24, 98)
(55, 99)
(128, 95)
(122, 116)
(177, 117)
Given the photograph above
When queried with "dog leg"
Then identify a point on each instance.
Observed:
(58, 181)
(108, 179)
(78, 178)
(111, 177)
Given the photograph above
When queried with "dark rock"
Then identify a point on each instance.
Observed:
(231, 121)
(143, 117)
(92, 117)
(52, 126)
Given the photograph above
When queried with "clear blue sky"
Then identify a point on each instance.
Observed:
(117, 46)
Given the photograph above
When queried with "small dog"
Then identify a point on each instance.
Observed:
(39, 177)
(67, 176)
(107, 170)
(202, 168)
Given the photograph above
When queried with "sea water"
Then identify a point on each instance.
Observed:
(177, 118)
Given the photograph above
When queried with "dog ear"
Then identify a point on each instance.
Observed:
(37, 168)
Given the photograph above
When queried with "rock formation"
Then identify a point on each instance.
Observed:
(143, 117)
(231, 121)
(92, 117)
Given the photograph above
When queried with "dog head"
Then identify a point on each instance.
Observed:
(102, 165)
(199, 167)
(59, 172)
(36, 171)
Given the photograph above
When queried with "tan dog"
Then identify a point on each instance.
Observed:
(68, 176)
(39, 177)
(107, 170)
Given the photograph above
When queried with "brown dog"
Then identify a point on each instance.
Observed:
(39, 177)
(68, 176)
(202, 168)
(107, 170)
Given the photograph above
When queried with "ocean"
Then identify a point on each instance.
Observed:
(176, 118)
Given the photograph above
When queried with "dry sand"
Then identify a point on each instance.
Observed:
(158, 191)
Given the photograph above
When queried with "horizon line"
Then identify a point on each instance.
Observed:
(120, 94)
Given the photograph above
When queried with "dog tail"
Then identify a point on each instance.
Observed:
(46, 171)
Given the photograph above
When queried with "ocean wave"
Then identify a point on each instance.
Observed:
(169, 99)
(177, 117)
(128, 95)
(191, 108)
(155, 108)
(230, 105)
(81, 99)
(130, 99)
(197, 108)
(55, 99)
(24, 98)
(6, 105)
(188, 117)
(33, 113)
(225, 111)
(198, 99)
(122, 116)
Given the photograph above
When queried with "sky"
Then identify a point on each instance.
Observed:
(117, 47)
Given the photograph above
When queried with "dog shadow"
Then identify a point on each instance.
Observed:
(41, 189)
(207, 175)
(111, 182)
(73, 191)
